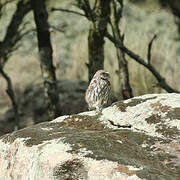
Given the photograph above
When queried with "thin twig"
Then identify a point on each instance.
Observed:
(13, 28)
(89, 11)
(160, 79)
(94, 7)
(52, 27)
(68, 11)
(17, 39)
(149, 48)
(11, 95)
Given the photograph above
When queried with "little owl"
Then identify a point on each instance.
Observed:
(98, 91)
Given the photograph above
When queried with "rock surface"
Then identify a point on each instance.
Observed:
(134, 139)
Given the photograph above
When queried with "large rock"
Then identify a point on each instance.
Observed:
(134, 139)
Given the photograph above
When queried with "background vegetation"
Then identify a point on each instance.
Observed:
(141, 20)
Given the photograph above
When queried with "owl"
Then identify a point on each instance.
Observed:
(98, 91)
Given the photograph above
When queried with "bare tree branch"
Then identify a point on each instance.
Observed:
(11, 95)
(89, 10)
(23, 7)
(18, 38)
(85, 6)
(95, 4)
(149, 48)
(160, 79)
(55, 28)
(68, 11)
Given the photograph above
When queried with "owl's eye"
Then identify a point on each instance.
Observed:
(106, 75)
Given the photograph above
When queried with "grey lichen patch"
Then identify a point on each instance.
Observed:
(105, 145)
(83, 122)
(154, 118)
(136, 101)
(168, 132)
(159, 173)
(174, 113)
(165, 125)
(159, 107)
(70, 170)
(35, 135)
(173, 149)
(121, 105)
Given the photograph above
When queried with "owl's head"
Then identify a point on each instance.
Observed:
(104, 75)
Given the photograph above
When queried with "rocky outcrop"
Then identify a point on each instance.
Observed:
(134, 139)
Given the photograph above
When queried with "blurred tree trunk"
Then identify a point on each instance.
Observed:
(99, 17)
(175, 8)
(95, 51)
(46, 59)
(123, 74)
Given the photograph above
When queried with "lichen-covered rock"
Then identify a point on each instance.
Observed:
(134, 139)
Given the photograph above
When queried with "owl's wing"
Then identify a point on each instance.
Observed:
(104, 90)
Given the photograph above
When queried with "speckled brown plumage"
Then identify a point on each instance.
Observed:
(98, 91)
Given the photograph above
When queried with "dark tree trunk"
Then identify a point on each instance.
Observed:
(99, 20)
(95, 51)
(46, 60)
(123, 74)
